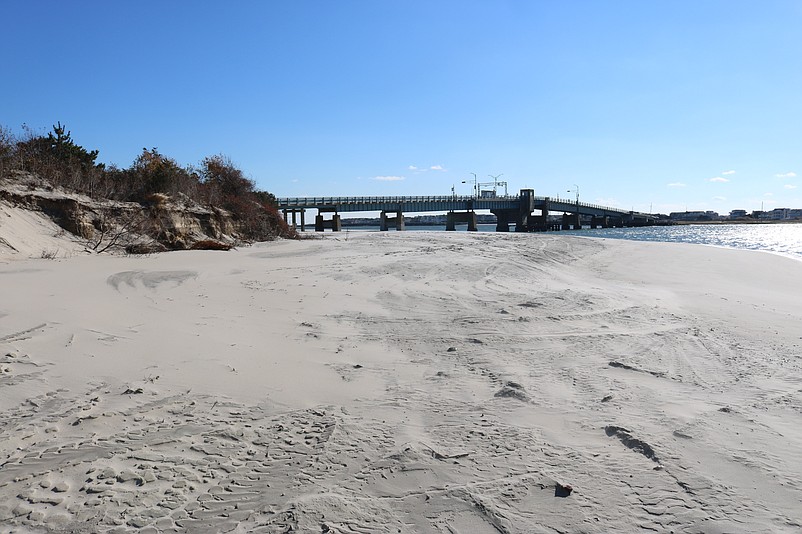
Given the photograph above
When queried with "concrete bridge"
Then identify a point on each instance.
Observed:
(509, 210)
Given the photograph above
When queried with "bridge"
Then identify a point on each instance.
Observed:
(517, 210)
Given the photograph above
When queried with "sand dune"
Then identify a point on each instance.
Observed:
(403, 382)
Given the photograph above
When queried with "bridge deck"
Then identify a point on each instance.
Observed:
(447, 203)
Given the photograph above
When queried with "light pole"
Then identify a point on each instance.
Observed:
(475, 183)
(496, 183)
(578, 222)
(577, 194)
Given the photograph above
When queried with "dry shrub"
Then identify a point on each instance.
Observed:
(157, 200)
(210, 244)
(152, 180)
(139, 249)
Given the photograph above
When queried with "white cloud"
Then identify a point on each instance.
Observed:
(768, 194)
(789, 186)
(786, 175)
(388, 178)
(718, 179)
(416, 169)
(294, 180)
(676, 184)
(719, 199)
(727, 173)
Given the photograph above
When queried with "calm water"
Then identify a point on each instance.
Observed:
(784, 239)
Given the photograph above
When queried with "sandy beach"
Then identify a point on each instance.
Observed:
(402, 382)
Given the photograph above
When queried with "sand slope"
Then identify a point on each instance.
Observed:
(403, 382)
(31, 234)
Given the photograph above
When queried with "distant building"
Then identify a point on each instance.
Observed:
(737, 214)
(777, 214)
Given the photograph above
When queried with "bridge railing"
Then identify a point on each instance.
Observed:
(331, 201)
(313, 202)
(569, 202)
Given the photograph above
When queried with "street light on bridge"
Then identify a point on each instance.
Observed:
(496, 183)
(577, 194)
(475, 183)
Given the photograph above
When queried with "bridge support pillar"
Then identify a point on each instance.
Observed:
(535, 223)
(453, 217)
(385, 221)
(293, 211)
(321, 224)
(571, 219)
(504, 218)
(600, 222)
(524, 220)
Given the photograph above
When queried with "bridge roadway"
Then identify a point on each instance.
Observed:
(517, 210)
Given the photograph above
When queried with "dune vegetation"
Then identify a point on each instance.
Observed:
(151, 179)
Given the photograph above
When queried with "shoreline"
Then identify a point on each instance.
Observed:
(790, 221)
(420, 381)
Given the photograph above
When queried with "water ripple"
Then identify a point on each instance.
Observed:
(784, 239)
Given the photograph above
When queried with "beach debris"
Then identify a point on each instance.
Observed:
(626, 437)
(129, 391)
(437, 455)
(620, 365)
(210, 244)
(607, 398)
(82, 419)
(513, 390)
(562, 490)
(452, 349)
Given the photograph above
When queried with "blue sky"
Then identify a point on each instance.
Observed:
(674, 105)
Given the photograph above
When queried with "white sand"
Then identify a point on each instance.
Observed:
(403, 382)
(30, 234)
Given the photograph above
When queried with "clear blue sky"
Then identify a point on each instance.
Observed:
(676, 104)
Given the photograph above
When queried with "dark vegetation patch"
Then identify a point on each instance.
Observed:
(150, 181)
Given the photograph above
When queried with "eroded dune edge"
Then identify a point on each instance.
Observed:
(403, 382)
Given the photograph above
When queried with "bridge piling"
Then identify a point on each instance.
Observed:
(385, 221)
(321, 224)
(599, 222)
(453, 217)
(293, 211)
(504, 218)
(571, 219)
